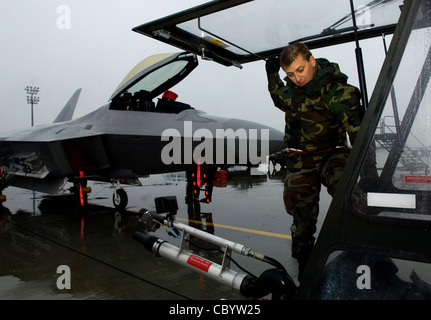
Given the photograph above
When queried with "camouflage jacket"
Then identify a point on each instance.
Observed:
(319, 114)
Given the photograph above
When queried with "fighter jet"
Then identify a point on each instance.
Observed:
(134, 135)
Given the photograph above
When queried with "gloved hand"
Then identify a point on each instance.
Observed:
(272, 65)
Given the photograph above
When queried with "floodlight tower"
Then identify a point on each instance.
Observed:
(32, 99)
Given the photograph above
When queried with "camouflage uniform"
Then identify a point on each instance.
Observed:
(318, 115)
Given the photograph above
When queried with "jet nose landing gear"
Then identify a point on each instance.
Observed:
(120, 198)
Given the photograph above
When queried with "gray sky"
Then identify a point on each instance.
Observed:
(99, 49)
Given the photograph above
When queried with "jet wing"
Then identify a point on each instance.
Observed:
(239, 31)
(42, 157)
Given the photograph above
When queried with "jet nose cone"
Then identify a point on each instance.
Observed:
(262, 140)
(259, 132)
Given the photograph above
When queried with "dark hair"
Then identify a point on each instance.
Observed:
(292, 51)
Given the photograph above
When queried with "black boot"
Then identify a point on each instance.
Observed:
(302, 263)
(302, 256)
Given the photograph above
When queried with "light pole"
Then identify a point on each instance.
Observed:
(32, 99)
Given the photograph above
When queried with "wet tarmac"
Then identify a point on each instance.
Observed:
(46, 238)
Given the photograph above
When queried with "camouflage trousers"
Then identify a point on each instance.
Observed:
(301, 197)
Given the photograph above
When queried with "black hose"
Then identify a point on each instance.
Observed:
(274, 262)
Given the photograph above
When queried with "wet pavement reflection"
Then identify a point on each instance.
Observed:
(101, 260)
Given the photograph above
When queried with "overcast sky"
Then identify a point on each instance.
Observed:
(98, 49)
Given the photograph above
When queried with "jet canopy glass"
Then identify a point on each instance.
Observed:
(155, 74)
(239, 31)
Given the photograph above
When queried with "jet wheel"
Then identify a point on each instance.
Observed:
(120, 199)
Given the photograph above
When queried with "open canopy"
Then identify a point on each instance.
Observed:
(239, 31)
(156, 73)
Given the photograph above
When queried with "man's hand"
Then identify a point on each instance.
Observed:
(272, 65)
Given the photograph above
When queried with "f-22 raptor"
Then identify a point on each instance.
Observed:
(131, 137)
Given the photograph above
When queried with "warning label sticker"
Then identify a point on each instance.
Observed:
(417, 179)
(199, 262)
